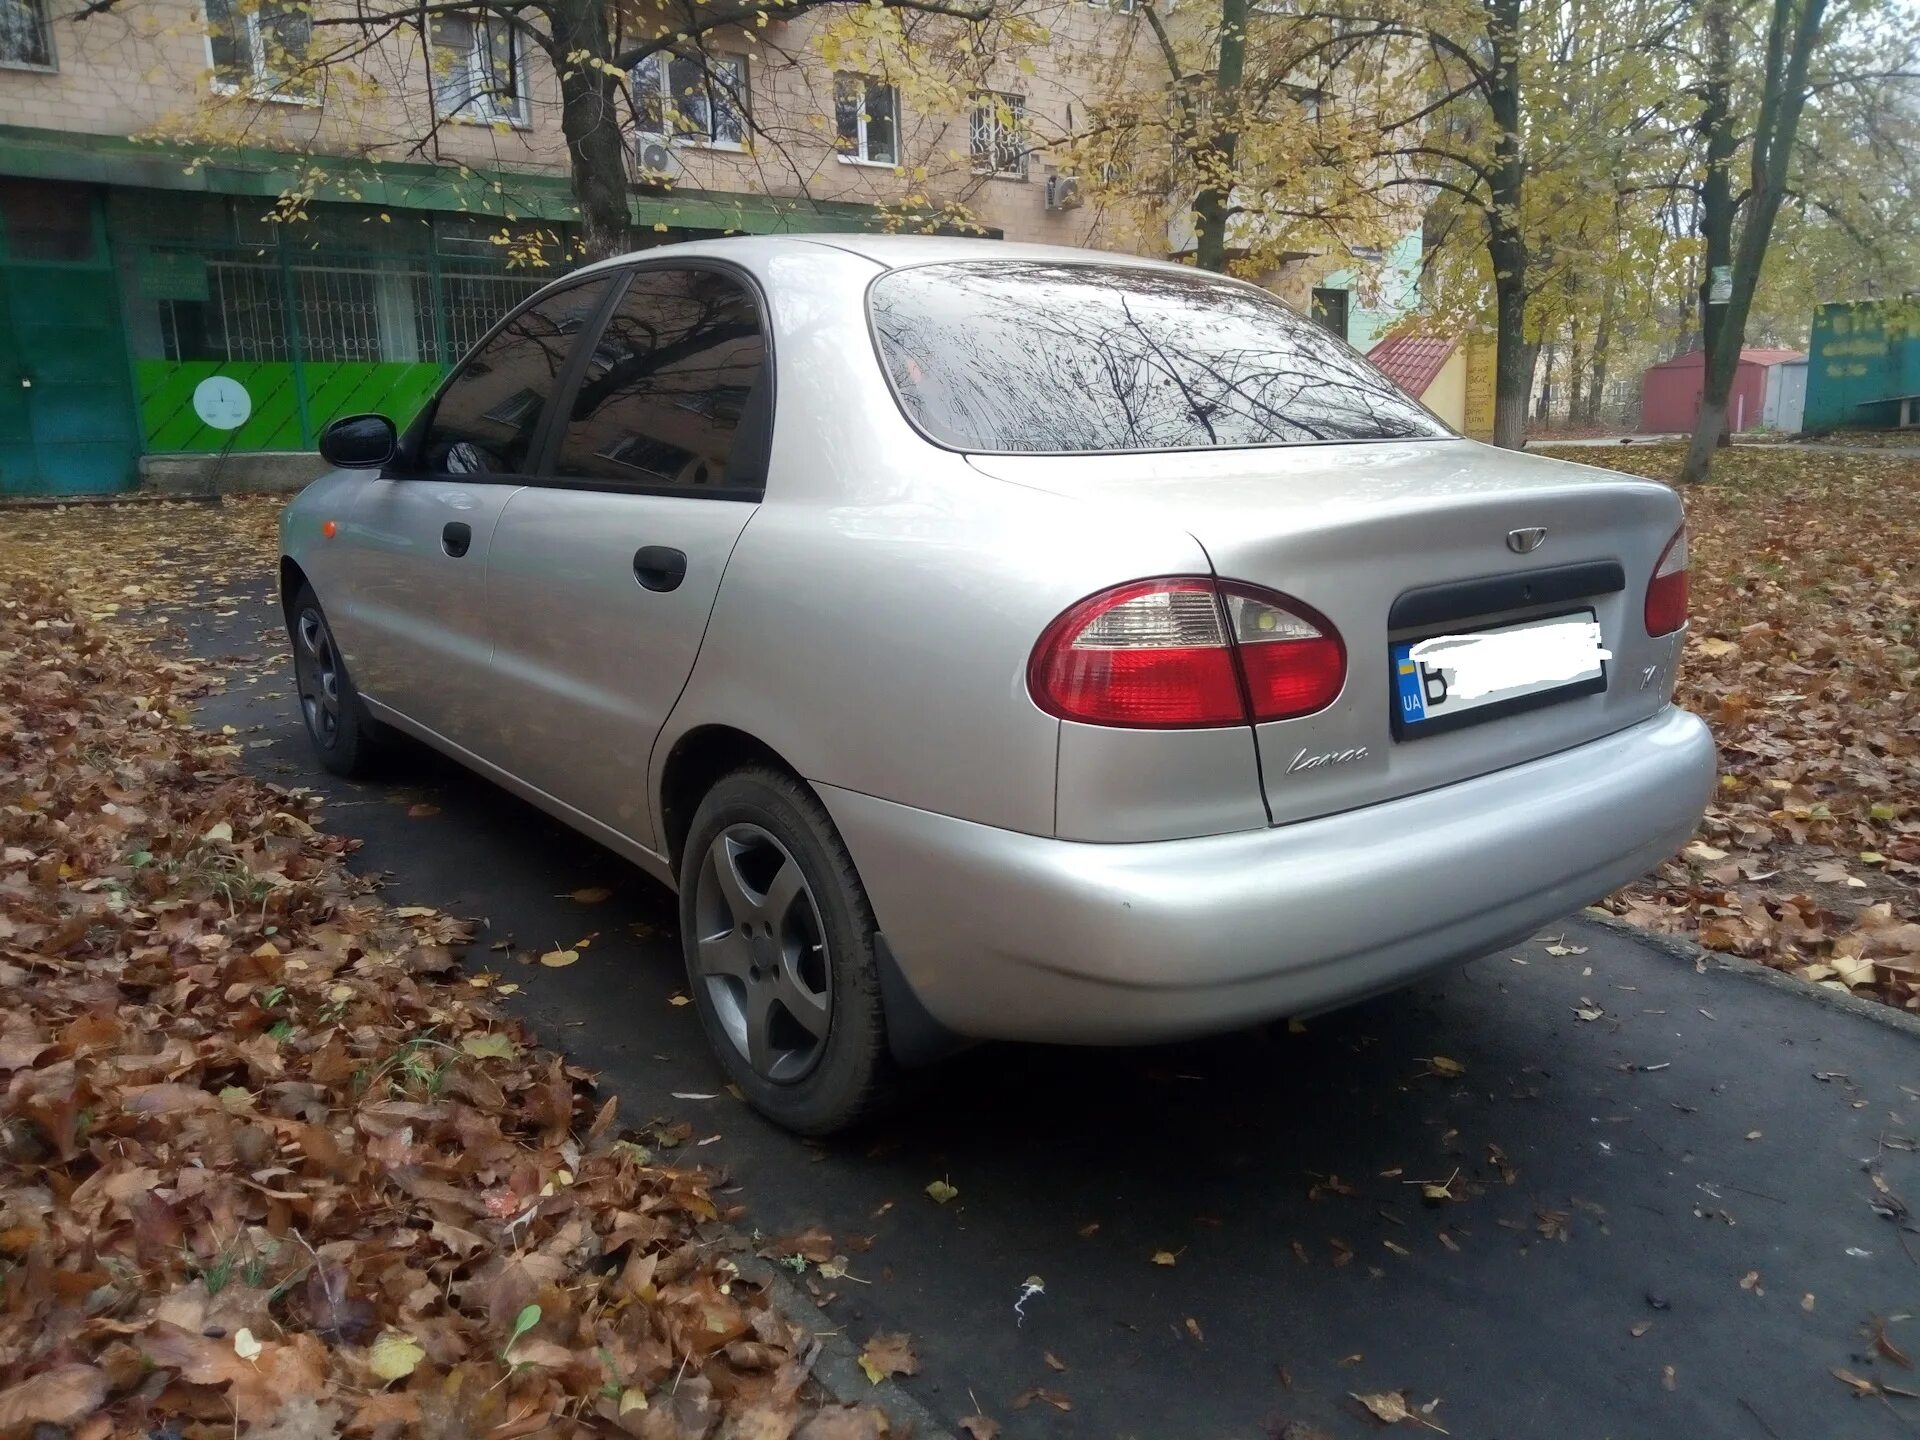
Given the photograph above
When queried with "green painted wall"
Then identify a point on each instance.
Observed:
(1864, 354)
(169, 425)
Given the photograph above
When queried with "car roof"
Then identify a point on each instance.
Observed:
(890, 251)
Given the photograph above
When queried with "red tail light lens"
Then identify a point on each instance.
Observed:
(1293, 658)
(1183, 653)
(1667, 590)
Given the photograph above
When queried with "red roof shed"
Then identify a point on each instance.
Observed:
(1670, 391)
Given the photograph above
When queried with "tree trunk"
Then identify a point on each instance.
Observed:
(1512, 357)
(590, 120)
(1506, 245)
(1790, 44)
(1602, 343)
(1213, 203)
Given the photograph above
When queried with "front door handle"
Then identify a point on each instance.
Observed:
(456, 538)
(659, 567)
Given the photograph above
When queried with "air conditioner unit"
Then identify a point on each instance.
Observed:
(658, 165)
(1063, 192)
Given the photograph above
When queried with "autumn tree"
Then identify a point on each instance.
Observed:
(623, 67)
(1774, 76)
(1225, 133)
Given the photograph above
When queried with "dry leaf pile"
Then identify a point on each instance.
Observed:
(268, 1167)
(1804, 657)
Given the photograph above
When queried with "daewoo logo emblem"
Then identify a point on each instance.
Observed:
(1525, 542)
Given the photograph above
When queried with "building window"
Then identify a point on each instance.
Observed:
(25, 37)
(479, 70)
(996, 134)
(257, 47)
(697, 101)
(1119, 7)
(1330, 311)
(866, 115)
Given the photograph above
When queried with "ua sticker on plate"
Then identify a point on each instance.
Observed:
(1452, 677)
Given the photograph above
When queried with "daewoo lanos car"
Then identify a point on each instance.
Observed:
(1001, 642)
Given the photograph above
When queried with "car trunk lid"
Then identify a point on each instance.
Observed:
(1405, 540)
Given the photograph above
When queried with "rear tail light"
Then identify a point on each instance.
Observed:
(1667, 590)
(1184, 653)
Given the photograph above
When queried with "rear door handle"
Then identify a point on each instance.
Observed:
(456, 538)
(659, 567)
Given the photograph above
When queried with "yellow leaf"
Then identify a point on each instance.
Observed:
(941, 1192)
(244, 1345)
(632, 1399)
(394, 1355)
(1441, 1065)
(555, 959)
(1164, 1257)
(592, 895)
(489, 1047)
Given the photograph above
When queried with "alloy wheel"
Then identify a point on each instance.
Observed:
(316, 667)
(761, 952)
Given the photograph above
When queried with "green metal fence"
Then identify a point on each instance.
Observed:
(348, 312)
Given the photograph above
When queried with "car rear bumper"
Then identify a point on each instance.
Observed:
(1007, 936)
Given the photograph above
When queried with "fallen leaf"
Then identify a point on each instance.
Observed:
(422, 811)
(592, 895)
(244, 1345)
(558, 959)
(1442, 1065)
(493, 1046)
(1045, 1397)
(888, 1353)
(1054, 1362)
(979, 1427)
(60, 1396)
(941, 1192)
(1165, 1257)
(394, 1355)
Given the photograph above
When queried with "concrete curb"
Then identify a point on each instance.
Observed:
(1700, 957)
(836, 1365)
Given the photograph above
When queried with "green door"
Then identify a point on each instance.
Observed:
(67, 423)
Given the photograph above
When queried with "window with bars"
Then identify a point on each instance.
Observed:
(260, 46)
(479, 70)
(696, 100)
(866, 115)
(25, 37)
(996, 134)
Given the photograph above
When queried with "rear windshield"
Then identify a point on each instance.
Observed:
(1006, 355)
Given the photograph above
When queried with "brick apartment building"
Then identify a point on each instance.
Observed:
(142, 150)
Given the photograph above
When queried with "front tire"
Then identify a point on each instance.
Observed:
(779, 943)
(345, 738)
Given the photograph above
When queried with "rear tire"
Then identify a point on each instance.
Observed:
(779, 943)
(346, 740)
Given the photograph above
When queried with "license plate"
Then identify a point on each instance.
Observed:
(1445, 681)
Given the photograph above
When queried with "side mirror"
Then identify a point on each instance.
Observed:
(359, 442)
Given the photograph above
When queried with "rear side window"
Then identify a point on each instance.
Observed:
(678, 376)
(1048, 357)
(487, 417)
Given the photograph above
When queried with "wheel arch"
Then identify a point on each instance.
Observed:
(697, 760)
(292, 577)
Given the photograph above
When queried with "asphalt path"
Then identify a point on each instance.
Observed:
(1653, 1188)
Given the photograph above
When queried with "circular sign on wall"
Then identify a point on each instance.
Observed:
(222, 402)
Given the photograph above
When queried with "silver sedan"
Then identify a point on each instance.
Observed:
(994, 642)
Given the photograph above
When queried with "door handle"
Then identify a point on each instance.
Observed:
(456, 538)
(659, 567)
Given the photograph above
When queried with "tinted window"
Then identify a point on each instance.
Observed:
(663, 395)
(487, 417)
(1041, 356)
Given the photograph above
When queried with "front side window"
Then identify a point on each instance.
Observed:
(259, 45)
(996, 134)
(698, 100)
(1037, 356)
(25, 38)
(479, 69)
(487, 417)
(866, 115)
(661, 402)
